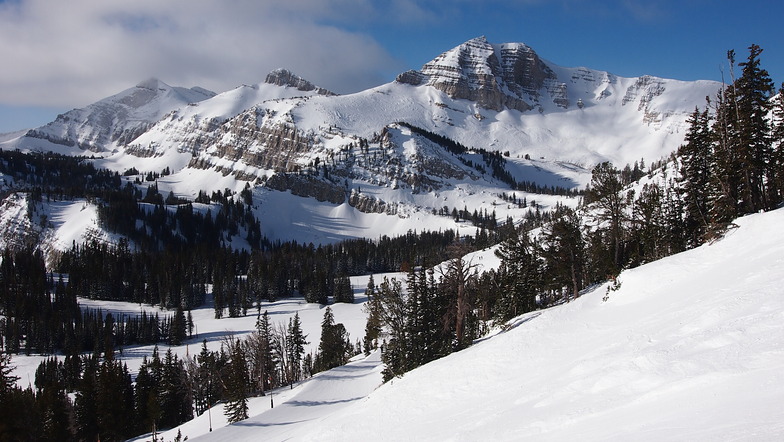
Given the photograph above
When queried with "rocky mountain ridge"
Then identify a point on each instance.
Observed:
(119, 119)
(551, 123)
(496, 77)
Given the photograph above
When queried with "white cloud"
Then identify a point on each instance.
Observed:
(75, 52)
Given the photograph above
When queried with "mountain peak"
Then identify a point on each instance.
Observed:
(153, 84)
(509, 75)
(286, 78)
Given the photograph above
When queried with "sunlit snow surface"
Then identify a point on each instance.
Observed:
(690, 347)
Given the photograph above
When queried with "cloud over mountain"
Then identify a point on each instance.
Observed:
(65, 54)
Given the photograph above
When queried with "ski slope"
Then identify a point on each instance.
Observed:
(689, 348)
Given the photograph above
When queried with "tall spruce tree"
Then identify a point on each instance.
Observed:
(373, 323)
(778, 142)
(696, 159)
(563, 251)
(334, 347)
(723, 191)
(753, 90)
(520, 276)
(295, 348)
(604, 192)
(262, 353)
(237, 384)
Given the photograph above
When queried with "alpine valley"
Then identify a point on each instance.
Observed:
(326, 167)
(493, 247)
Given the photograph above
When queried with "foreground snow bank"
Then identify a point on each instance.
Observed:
(689, 348)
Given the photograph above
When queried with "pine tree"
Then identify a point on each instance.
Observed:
(343, 291)
(205, 382)
(430, 328)
(7, 380)
(143, 391)
(296, 342)
(237, 385)
(519, 276)
(261, 351)
(563, 251)
(85, 406)
(373, 323)
(604, 193)
(178, 329)
(696, 158)
(114, 401)
(334, 346)
(725, 180)
(754, 89)
(174, 395)
(777, 138)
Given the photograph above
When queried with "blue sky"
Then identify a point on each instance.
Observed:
(57, 56)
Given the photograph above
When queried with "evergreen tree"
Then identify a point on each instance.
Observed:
(604, 193)
(519, 276)
(696, 158)
(753, 91)
(296, 342)
(725, 181)
(178, 329)
(563, 251)
(262, 353)
(7, 380)
(146, 408)
(373, 323)
(205, 382)
(114, 401)
(649, 226)
(334, 347)
(237, 384)
(85, 406)
(174, 394)
(430, 328)
(778, 143)
(343, 291)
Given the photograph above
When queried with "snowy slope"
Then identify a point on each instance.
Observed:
(689, 348)
(49, 226)
(111, 122)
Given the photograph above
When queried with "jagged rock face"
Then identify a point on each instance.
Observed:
(646, 88)
(307, 186)
(496, 77)
(283, 77)
(369, 204)
(273, 146)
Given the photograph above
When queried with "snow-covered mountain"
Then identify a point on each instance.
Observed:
(113, 121)
(500, 97)
(288, 136)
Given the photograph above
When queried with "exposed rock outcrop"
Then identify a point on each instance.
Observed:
(284, 77)
(369, 204)
(307, 186)
(503, 76)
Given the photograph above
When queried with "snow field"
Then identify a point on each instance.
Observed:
(689, 348)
